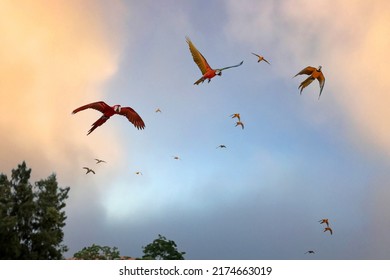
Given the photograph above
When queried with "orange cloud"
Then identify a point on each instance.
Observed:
(55, 56)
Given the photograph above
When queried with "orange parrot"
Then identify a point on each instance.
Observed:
(314, 74)
(109, 111)
(207, 72)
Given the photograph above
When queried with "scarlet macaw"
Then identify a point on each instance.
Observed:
(207, 72)
(236, 115)
(88, 170)
(314, 74)
(261, 58)
(240, 123)
(328, 229)
(326, 221)
(99, 160)
(109, 111)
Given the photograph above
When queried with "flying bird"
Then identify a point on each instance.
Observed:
(261, 58)
(236, 115)
(326, 221)
(109, 111)
(221, 146)
(310, 252)
(99, 160)
(138, 173)
(328, 229)
(158, 110)
(207, 72)
(313, 74)
(176, 157)
(88, 170)
(240, 123)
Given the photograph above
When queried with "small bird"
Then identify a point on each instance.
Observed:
(109, 111)
(221, 146)
(310, 252)
(207, 72)
(88, 170)
(240, 123)
(236, 115)
(314, 74)
(326, 221)
(158, 110)
(99, 160)
(176, 157)
(328, 229)
(138, 173)
(261, 58)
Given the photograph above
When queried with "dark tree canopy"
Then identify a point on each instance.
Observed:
(162, 249)
(31, 216)
(97, 252)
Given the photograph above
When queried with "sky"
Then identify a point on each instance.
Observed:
(298, 160)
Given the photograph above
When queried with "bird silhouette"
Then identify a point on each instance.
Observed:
(240, 123)
(313, 74)
(109, 111)
(99, 160)
(207, 72)
(158, 110)
(236, 115)
(176, 157)
(310, 252)
(261, 58)
(328, 229)
(138, 173)
(324, 221)
(88, 170)
(221, 146)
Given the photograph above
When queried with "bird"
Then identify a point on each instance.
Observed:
(88, 170)
(261, 58)
(328, 229)
(310, 252)
(99, 160)
(109, 111)
(240, 123)
(158, 110)
(176, 157)
(221, 146)
(207, 72)
(314, 74)
(326, 221)
(236, 115)
(138, 173)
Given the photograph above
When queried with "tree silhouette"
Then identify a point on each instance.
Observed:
(97, 252)
(162, 249)
(31, 216)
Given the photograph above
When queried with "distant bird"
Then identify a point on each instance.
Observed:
(158, 110)
(138, 173)
(261, 58)
(328, 229)
(240, 123)
(99, 160)
(207, 72)
(326, 221)
(88, 170)
(236, 115)
(109, 111)
(314, 74)
(310, 252)
(176, 157)
(221, 146)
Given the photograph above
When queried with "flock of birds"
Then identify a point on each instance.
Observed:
(208, 73)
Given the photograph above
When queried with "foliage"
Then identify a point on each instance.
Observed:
(31, 216)
(162, 249)
(96, 252)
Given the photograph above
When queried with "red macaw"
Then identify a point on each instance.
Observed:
(109, 111)
(260, 58)
(207, 71)
(314, 74)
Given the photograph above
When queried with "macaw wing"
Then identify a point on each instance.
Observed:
(308, 70)
(321, 80)
(239, 64)
(100, 106)
(133, 117)
(198, 57)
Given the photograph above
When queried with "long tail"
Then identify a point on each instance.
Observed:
(201, 80)
(98, 123)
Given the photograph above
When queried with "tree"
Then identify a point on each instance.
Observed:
(96, 252)
(162, 249)
(31, 216)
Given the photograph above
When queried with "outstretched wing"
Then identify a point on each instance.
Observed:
(308, 70)
(133, 117)
(239, 64)
(100, 106)
(321, 80)
(198, 57)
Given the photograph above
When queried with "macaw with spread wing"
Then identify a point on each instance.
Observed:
(207, 72)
